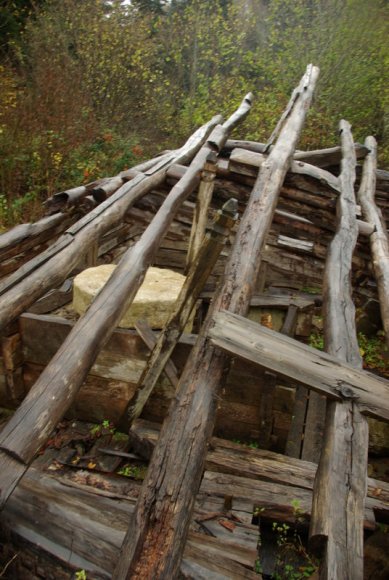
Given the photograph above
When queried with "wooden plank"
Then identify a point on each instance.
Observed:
(53, 299)
(149, 339)
(314, 427)
(227, 457)
(301, 363)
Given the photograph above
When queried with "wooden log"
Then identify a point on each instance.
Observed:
(200, 217)
(301, 363)
(51, 267)
(100, 189)
(242, 161)
(224, 456)
(58, 385)
(379, 242)
(268, 389)
(155, 539)
(340, 485)
(16, 237)
(318, 157)
(186, 301)
(53, 299)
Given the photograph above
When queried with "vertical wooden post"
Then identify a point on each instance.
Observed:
(200, 217)
(155, 540)
(340, 484)
(379, 242)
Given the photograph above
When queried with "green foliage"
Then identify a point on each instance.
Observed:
(316, 340)
(152, 70)
(104, 428)
(373, 350)
(293, 560)
(133, 471)
(250, 444)
(80, 575)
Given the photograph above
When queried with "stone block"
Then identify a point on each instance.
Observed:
(154, 300)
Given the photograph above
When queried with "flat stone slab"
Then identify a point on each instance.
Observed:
(154, 300)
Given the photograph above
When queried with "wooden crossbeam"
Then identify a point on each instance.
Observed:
(318, 370)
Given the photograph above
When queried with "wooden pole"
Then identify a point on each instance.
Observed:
(156, 537)
(51, 267)
(186, 301)
(200, 217)
(56, 388)
(379, 242)
(340, 484)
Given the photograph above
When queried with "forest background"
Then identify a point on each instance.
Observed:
(90, 87)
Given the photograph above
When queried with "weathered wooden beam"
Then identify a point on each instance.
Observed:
(247, 162)
(155, 540)
(336, 530)
(224, 456)
(147, 335)
(100, 189)
(318, 157)
(58, 385)
(379, 243)
(270, 381)
(52, 266)
(198, 275)
(200, 217)
(45, 510)
(301, 363)
(19, 234)
(314, 426)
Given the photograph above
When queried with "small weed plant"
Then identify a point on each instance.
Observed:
(103, 428)
(133, 471)
(293, 561)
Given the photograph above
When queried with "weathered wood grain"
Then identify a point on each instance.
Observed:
(319, 157)
(51, 267)
(167, 498)
(201, 267)
(247, 162)
(200, 218)
(317, 370)
(379, 242)
(58, 385)
(336, 529)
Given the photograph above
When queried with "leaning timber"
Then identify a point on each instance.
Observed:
(167, 497)
(166, 483)
(72, 362)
